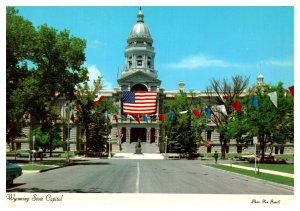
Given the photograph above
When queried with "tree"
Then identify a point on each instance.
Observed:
(224, 93)
(183, 130)
(57, 61)
(94, 118)
(47, 138)
(20, 35)
(269, 123)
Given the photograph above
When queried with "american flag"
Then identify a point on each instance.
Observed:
(139, 102)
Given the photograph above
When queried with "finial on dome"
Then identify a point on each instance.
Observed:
(140, 16)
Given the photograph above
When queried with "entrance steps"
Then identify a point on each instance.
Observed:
(150, 148)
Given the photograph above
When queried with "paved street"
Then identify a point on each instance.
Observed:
(143, 176)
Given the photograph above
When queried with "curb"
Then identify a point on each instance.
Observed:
(290, 188)
(49, 169)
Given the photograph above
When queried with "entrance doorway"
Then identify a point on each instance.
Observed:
(136, 133)
(152, 137)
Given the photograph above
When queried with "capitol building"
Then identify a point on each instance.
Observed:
(140, 75)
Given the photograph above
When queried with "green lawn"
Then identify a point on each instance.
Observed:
(287, 168)
(30, 167)
(264, 176)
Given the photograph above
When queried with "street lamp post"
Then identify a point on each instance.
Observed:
(68, 131)
(255, 142)
(166, 144)
(109, 142)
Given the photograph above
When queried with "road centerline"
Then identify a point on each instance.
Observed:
(137, 183)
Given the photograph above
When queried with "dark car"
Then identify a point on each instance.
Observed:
(12, 171)
(25, 154)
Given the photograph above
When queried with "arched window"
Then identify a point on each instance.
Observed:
(139, 87)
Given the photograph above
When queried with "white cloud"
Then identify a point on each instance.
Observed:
(200, 61)
(93, 74)
(95, 44)
(278, 62)
(204, 61)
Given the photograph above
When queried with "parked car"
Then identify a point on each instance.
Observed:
(12, 172)
(246, 157)
(30, 154)
(24, 154)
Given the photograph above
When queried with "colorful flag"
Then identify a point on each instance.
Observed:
(225, 97)
(286, 93)
(136, 118)
(291, 88)
(207, 112)
(131, 117)
(171, 116)
(183, 112)
(139, 102)
(222, 109)
(72, 119)
(237, 106)
(145, 118)
(161, 117)
(273, 98)
(124, 117)
(98, 99)
(116, 118)
(196, 112)
(254, 101)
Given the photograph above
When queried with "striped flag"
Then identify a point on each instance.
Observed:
(139, 102)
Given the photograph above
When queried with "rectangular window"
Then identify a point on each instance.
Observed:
(139, 62)
(67, 132)
(208, 135)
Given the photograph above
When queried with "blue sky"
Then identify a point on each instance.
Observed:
(192, 44)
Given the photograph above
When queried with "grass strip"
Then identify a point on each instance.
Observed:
(35, 167)
(264, 176)
(287, 168)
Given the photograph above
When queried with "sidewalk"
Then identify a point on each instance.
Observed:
(138, 156)
(261, 170)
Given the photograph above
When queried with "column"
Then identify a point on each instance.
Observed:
(148, 134)
(128, 134)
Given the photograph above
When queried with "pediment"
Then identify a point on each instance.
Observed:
(138, 77)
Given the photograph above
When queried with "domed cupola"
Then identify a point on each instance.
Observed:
(140, 31)
(139, 52)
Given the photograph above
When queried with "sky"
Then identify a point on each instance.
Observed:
(193, 44)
